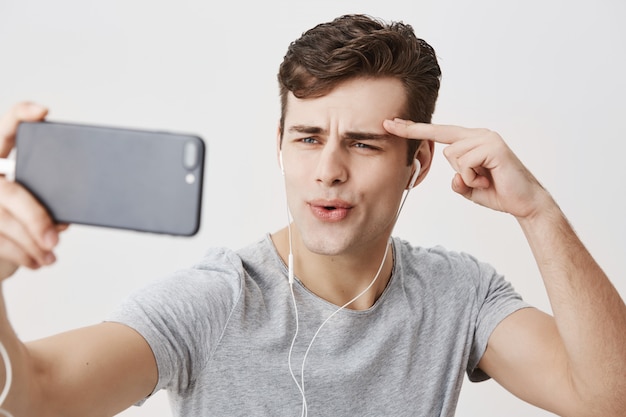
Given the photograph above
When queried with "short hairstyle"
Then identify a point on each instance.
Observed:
(356, 45)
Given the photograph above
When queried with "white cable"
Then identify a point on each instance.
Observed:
(306, 354)
(295, 309)
(8, 379)
(293, 341)
(301, 384)
(7, 168)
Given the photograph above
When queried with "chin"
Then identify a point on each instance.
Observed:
(326, 245)
(323, 248)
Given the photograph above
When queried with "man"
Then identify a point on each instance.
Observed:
(331, 316)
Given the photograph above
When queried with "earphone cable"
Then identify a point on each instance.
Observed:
(295, 309)
(8, 379)
(302, 369)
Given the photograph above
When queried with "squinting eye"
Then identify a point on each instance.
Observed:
(363, 146)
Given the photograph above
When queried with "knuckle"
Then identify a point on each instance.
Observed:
(494, 136)
(484, 132)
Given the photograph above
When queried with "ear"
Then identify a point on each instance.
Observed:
(417, 166)
(278, 146)
(424, 158)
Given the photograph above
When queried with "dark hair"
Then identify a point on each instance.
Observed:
(353, 46)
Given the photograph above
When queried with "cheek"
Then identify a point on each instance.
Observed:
(295, 186)
(388, 175)
(294, 176)
(384, 189)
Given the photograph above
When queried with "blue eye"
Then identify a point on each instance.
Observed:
(361, 145)
(308, 140)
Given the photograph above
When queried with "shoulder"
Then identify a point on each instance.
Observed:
(216, 276)
(445, 269)
(438, 259)
(225, 272)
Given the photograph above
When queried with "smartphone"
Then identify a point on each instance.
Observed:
(148, 181)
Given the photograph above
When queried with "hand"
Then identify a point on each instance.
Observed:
(487, 171)
(27, 233)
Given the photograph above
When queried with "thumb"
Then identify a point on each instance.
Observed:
(459, 186)
(21, 112)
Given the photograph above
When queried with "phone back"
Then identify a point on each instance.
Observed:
(113, 177)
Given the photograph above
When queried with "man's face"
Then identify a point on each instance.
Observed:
(344, 173)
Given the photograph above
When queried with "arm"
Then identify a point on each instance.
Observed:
(574, 363)
(580, 364)
(94, 371)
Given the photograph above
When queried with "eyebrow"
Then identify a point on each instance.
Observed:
(315, 130)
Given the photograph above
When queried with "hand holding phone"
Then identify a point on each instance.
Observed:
(113, 177)
(27, 233)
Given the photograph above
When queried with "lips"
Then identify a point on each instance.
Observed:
(330, 210)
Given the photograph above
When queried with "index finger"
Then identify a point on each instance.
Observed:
(447, 134)
(21, 112)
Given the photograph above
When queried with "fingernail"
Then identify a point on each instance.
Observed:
(36, 109)
(51, 238)
(49, 258)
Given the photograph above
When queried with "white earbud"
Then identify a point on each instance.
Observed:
(280, 160)
(417, 166)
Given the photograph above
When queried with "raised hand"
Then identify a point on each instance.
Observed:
(27, 233)
(487, 171)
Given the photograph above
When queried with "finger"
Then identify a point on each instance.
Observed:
(458, 186)
(446, 134)
(21, 112)
(11, 252)
(473, 167)
(456, 150)
(23, 243)
(30, 213)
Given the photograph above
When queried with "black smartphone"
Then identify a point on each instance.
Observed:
(149, 181)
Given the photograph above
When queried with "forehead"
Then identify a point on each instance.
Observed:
(361, 103)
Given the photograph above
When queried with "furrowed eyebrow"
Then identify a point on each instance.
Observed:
(315, 130)
(367, 136)
(310, 130)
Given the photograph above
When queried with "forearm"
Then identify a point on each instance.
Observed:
(589, 312)
(22, 395)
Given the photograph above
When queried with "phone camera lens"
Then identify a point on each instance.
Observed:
(190, 155)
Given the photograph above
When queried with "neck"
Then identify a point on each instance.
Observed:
(339, 279)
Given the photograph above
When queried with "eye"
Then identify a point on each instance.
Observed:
(308, 140)
(364, 146)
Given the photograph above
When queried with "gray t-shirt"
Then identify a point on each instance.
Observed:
(221, 333)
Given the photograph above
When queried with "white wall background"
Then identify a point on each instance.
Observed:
(548, 75)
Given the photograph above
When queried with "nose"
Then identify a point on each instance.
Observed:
(331, 166)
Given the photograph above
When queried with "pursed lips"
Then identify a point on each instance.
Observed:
(330, 210)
